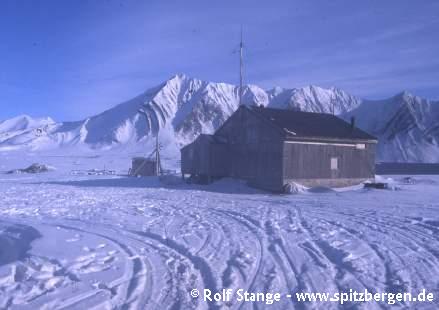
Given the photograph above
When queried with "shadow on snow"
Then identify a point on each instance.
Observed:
(226, 186)
(15, 241)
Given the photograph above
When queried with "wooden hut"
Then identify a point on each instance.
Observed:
(271, 148)
(142, 166)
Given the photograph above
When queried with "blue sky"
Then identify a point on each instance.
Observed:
(70, 59)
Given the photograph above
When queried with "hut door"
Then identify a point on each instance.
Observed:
(334, 167)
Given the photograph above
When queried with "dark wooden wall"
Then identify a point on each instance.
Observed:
(218, 165)
(195, 157)
(204, 157)
(311, 161)
(143, 167)
(254, 149)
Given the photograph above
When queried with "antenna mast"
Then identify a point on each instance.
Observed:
(241, 67)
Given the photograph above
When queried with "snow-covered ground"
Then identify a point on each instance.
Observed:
(86, 241)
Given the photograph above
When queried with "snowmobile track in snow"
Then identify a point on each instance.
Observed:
(147, 248)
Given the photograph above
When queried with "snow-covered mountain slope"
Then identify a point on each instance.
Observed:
(407, 127)
(23, 123)
(183, 107)
(313, 99)
(12, 129)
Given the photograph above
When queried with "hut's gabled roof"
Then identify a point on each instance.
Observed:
(308, 124)
(205, 138)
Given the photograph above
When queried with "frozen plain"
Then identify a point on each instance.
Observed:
(78, 241)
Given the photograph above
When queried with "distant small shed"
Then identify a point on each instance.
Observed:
(142, 166)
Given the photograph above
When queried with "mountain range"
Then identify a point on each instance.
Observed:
(407, 126)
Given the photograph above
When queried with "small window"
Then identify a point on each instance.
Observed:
(360, 146)
(334, 163)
